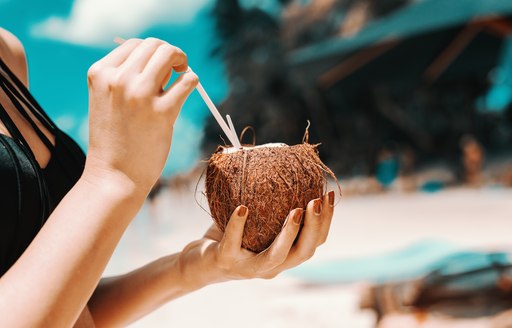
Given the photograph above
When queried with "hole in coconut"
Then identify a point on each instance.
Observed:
(230, 150)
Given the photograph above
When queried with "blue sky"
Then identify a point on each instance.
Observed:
(63, 38)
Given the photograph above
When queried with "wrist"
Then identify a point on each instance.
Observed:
(114, 183)
(197, 265)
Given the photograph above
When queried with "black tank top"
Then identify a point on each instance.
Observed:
(29, 193)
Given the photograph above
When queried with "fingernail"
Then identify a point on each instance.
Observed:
(187, 71)
(242, 210)
(317, 206)
(331, 198)
(297, 216)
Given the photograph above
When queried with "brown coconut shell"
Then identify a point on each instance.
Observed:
(270, 181)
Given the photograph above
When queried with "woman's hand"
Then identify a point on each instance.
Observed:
(131, 116)
(220, 257)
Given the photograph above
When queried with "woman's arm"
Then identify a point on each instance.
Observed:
(56, 275)
(130, 132)
(215, 258)
(118, 301)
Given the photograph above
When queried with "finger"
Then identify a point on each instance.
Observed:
(161, 64)
(306, 244)
(232, 240)
(327, 214)
(277, 253)
(310, 231)
(139, 57)
(117, 56)
(175, 96)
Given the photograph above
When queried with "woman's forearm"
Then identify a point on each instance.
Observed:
(54, 278)
(214, 258)
(120, 300)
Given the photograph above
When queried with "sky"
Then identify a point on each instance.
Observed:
(62, 38)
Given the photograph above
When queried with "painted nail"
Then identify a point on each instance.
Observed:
(242, 210)
(331, 198)
(317, 206)
(297, 216)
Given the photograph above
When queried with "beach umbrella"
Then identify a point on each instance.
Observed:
(421, 43)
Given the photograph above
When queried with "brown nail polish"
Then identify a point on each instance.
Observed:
(297, 216)
(317, 206)
(242, 210)
(331, 198)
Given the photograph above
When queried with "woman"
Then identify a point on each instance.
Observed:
(65, 213)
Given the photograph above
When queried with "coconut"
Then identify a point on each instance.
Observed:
(271, 180)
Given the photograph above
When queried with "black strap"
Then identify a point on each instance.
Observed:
(21, 93)
(20, 140)
(28, 99)
(9, 92)
(13, 130)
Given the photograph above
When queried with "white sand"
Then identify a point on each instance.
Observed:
(362, 226)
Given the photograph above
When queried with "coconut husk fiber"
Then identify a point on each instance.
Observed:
(271, 180)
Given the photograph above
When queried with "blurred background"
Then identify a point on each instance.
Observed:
(411, 101)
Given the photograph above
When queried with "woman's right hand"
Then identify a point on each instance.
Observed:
(131, 116)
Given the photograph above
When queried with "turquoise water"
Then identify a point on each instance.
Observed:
(410, 262)
(500, 95)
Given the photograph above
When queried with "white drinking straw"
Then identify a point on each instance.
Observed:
(216, 114)
(233, 131)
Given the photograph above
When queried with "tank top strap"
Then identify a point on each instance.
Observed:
(25, 115)
(7, 81)
(26, 97)
(19, 92)
(14, 93)
(20, 140)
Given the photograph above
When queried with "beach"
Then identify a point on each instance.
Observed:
(362, 226)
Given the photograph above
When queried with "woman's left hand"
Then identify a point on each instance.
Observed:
(220, 257)
(216, 257)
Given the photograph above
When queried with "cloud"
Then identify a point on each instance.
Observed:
(97, 22)
(65, 122)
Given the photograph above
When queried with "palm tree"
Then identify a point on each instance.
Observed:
(261, 92)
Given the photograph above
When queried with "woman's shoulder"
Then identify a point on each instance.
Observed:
(12, 53)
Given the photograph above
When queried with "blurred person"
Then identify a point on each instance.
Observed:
(472, 160)
(426, 320)
(387, 168)
(63, 213)
(506, 178)
(407, 168)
